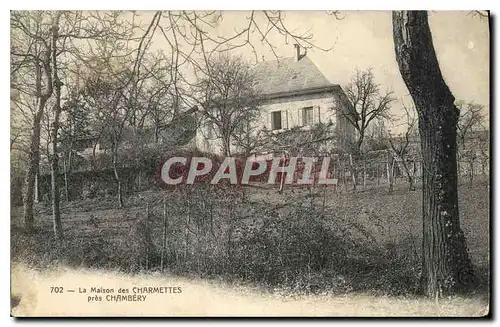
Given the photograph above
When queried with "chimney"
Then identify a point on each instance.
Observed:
(297, 49)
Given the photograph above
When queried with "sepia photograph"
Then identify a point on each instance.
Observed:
(251, 163)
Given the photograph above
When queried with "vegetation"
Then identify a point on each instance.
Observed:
(296, 242)
(92, 76)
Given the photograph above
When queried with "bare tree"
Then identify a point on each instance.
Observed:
(52, 41)
(110, 114)
(470, 121)
(74, 129)
(56, 212)
(483, 146)
(400, 145)
(190, 35)
(228, 98)
(368, 103)
(446, 267)
(30, 51)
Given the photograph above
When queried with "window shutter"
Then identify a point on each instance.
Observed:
(299, 117)
(269, 121)
(286, 119)
(316, 115)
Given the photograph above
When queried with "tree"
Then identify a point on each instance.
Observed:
(368, 104)
(470, 121)
(400, 146)
(125, 104)
(106, 95)
(228, 98)
(42, 39)
(48, 43)
(73, 129)
(446, 267)
(54, 171)
(31, 54)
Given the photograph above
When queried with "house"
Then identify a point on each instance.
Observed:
(295, 94)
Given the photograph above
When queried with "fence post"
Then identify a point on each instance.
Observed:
(364, 173)
(164, 241)
(147, 230)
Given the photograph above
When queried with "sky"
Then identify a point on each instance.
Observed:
(363, 39)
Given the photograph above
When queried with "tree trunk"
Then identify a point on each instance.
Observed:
(353, 172)
(164, 240)
(446, 267)
(414, 174)
(471, 172)
(148, 235)
(37, 189)
(66, 186)
(117, 176)
(459, 168)
(54, 173)
(186, 235)
(42, 71)
(359, 144)
(364, 173)
(226, 145)
(387, 169)
(378, 175)
(409, 174)
(390, 175)
(32, 169)
(56, 211)
(411, 183)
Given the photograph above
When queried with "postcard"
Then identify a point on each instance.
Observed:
(250, 163)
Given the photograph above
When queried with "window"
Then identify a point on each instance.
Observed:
(307, 116)
(276, 120)
(209, 127)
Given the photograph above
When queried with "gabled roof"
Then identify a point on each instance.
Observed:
(289, 75)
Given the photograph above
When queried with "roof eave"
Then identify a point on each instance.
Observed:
(312, 90)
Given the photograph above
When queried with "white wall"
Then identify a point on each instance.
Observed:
(323, 111)
(325, 106)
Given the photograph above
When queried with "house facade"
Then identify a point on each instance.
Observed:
(295, 95)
